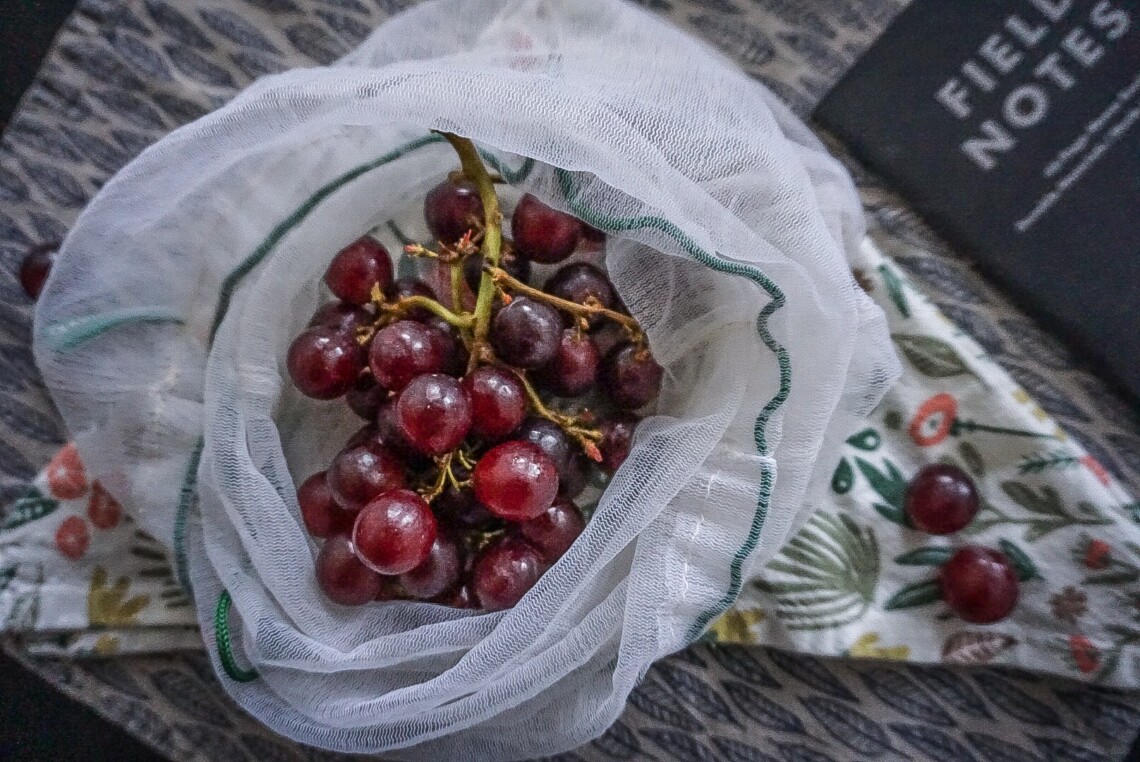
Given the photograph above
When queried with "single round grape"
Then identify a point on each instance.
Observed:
(504, 572)
(434, 413)
(436, 575)
(36, 266)
(554, 530)
(579, 281)
(395, 532)
(324, 362)
(322, 516)
(405, 287)
(341, 575)
(543, 234)
(515, 480)
(552, 440)
(574, 368)
(940, 499)
(498, 401)
(979, 584)
(389, 434)
(365, 397)
(358, 267)
(450, 344)
(403, 350)
(510, 260)
(451, 209)
(629, 376)
(361, 472)
(343, 317)
(526, 333)
(617, 439)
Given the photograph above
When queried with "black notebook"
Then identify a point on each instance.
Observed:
(1013, 126)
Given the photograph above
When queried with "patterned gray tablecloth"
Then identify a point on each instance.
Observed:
(124, 72)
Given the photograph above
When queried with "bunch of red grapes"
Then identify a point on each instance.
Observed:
(460, 487)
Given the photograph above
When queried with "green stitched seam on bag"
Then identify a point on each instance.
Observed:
(69, 334)
(225, 644)
(614, 224)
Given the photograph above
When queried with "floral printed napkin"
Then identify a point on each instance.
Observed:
(77, 577)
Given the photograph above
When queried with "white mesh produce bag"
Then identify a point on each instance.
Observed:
(163, 329)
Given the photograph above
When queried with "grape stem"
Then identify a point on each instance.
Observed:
(587, 437)
(409, 303)
(441, 479)
(476, 172)
(591, 307)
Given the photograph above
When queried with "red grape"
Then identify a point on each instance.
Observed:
(940, 499)
(617, 439)
(341, 575)
(324, 362)
(979, 584)
(343, 317)
(554, 530)
(515, 480)
(322, 516)
(434, 413)
(498, 401)
(543, 234)
(526, 333)
(504, 572)
(365, 397)
(403, 350)
(462, 598)
(579, 281)
(36, 266)
(451, 209)
(575, 366)
(630, 376)
(572, 477)
(394, 533)
(357, 268)
(361, 472)
(438, 574)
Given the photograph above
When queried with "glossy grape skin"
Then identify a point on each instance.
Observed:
(504, 572)
(323, 362)
(515, 480)
(361, 472)
(514, 263)
(979, 584)
(526, 333)
(341, 316)
(550, 437)
(542, 233)
(358, 267)
(498, 401)
(629, 376)
(341, 575)
(577, 282)
(403, 350)
(574, 369)
(438, 573)
(320, 513)
(941, 499)
(434, 413)
(554, 530)
(451, 209)
(617, 439)
(394, 533)
(365, 397)
(36, 267)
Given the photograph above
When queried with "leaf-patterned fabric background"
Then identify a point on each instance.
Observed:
(124, 72)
